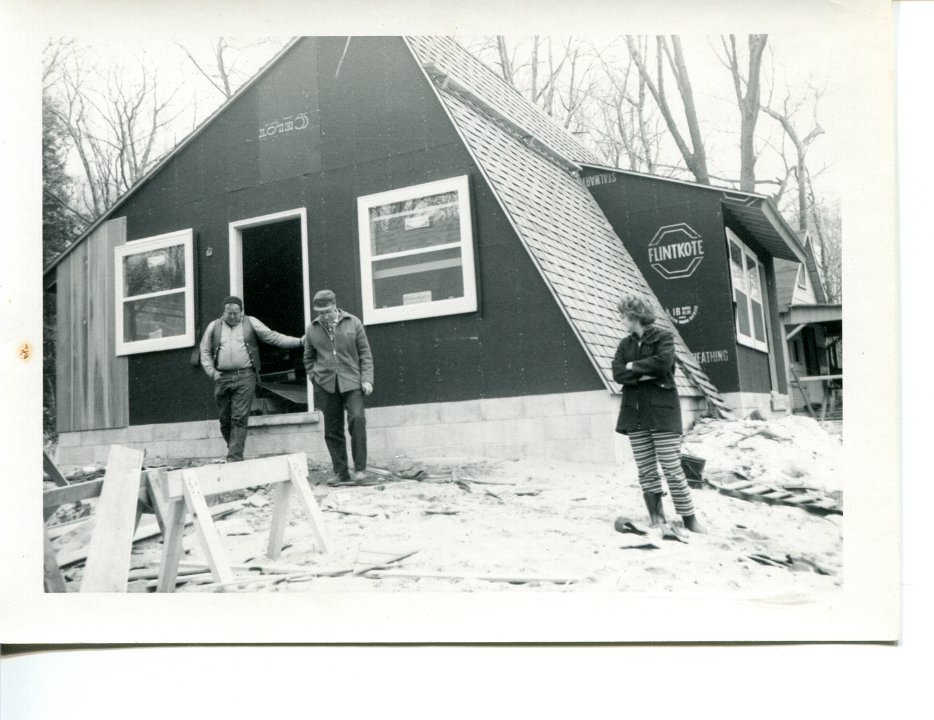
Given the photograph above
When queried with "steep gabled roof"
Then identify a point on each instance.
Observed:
(786, 278)
(566, 234)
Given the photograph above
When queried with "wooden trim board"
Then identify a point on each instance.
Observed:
(108, 564)
(219, 477)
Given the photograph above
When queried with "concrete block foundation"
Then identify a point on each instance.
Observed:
(575, 427)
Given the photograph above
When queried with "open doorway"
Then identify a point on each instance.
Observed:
(269, 271)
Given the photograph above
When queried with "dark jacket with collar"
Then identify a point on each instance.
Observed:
(650, 397)
(347, 359)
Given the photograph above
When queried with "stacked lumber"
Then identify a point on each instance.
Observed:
(812, 499)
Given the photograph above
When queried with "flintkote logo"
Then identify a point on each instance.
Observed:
(676, 251)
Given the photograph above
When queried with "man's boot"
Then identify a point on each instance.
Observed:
(653, 501)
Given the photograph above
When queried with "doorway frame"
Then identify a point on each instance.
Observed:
(235, 241)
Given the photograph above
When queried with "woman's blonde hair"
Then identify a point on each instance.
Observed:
(636, 308)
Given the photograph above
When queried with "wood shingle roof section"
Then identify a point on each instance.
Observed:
(448, 56)
(566, 234)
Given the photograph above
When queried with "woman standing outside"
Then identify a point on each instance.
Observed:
(651, 411)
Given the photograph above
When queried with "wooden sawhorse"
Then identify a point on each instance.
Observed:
(184, 491)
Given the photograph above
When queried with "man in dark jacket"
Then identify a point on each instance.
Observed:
(338, 360)
(230, 357)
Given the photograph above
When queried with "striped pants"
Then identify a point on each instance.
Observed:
(652, 449)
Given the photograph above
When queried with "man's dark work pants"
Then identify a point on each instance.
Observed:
(333, 406)
(233, 394)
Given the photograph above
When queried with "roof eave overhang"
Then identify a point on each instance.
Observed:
(763, 204)
(775, 219)
(809, 314)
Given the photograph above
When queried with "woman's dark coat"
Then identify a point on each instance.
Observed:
(650, 398)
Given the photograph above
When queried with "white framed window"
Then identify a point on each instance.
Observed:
(155, 306)
(746, 274)
(416, 252)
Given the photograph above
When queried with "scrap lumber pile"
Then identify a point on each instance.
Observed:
(788, 461)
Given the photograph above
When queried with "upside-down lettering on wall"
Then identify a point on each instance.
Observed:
(285, 125)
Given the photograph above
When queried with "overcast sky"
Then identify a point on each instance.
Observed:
(792, 60)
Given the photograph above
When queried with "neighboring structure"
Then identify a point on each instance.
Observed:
(813, 331)
(445, 210)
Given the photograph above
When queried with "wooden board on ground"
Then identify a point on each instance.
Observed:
(373, 559)
(53, 499)
(108, 563)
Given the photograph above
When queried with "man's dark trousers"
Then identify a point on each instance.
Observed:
(333, 406)
(233, 394)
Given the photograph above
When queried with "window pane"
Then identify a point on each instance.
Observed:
(752, 277)
(154, 271)
(425, 277)
(742, 314)
(736, 268)
(757, 321)
(413, 224)
(155, 317)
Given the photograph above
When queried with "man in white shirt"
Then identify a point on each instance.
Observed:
(230, 357)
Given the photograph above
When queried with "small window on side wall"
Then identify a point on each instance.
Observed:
(745, 272)
(155, 293)
(416, 252)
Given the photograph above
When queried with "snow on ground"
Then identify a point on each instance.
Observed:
(552, 523)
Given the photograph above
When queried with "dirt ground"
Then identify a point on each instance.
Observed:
(515, 524)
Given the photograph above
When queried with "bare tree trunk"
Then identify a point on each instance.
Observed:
(505, 63)
(626, 121)
(695, 157)
(785, 118)
(747, 91)
(829, 243)
(534, 89)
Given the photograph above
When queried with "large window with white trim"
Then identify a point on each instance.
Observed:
(155, 293)
(746, 274)
(416, 252)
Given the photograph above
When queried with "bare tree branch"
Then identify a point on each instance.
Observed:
(785, 119)
(221, 86)
(695, 156)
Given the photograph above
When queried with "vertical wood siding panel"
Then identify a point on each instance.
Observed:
(84, 360)
(91, 380)
(118, 406)
(63, 399)
(78, 349)
(97, 328)
(94, 399)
